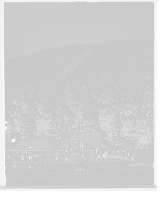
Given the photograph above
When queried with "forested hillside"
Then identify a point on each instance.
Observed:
(106, 87)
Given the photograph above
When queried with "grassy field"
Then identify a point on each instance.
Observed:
(101, 173)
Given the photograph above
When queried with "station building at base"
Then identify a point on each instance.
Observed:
(86, 140)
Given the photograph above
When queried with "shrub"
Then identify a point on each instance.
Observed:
(15, 167)
(140, 165)
(31, 166)
(80, 167)
(42, 167)
(66, 167)
(119, 141)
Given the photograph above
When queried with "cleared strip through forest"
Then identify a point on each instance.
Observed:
(77, 60)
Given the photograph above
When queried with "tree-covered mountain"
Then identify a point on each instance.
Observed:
(107, 87)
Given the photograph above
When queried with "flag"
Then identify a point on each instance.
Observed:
(81, 120)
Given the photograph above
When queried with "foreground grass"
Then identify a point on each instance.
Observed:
(140, 164)
(75, 167)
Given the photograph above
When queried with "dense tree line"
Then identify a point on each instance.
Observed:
(106, 87)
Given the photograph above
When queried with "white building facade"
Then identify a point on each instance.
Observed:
(86, 140)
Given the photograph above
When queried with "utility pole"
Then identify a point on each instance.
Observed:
(79, 127)
(79, 96)
(51, 142)
(71, 69)
(50, 131)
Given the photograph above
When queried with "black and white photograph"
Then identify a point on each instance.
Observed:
(79, 95)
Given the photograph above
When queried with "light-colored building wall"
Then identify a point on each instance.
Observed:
(86, 140)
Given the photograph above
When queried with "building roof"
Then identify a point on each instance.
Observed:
(38, 143)
(64, 146)
(22, 143)
(92, 139)
(97, 144)
(88, 136)
(108, 143)
(114, 149)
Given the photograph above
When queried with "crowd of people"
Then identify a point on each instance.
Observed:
(66, 155)
(73, 156)
(88, 155)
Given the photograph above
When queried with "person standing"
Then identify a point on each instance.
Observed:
(15, 167)
(22, 158)
(56, 158)
(132, 158)
(128, 155)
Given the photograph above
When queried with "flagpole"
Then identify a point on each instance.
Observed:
(79, 128)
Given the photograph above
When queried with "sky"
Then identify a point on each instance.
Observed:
(29, 27)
